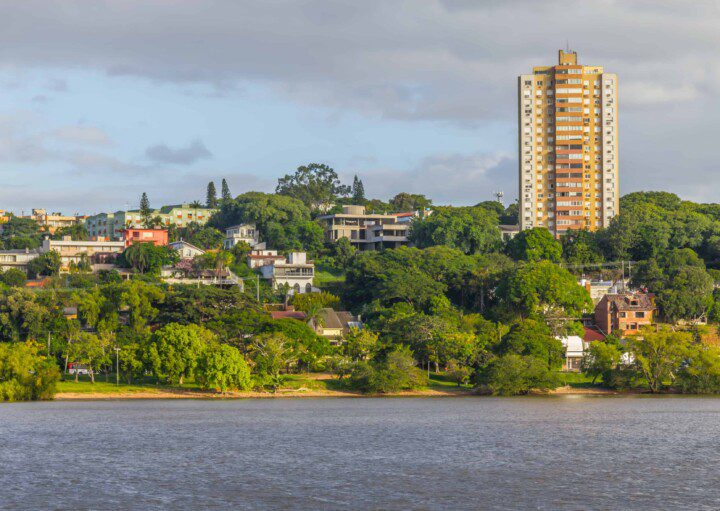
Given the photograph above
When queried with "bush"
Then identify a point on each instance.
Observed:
(25, 375)
(700, 374)
(397, 372)
(13, 277)
(223, 368)
(513, 374)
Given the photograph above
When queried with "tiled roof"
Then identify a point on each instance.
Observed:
(624, 301)
(288, 314)
(591, 335)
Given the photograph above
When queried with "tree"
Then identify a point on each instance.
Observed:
(397, 372)
(90, 350)
(272, 353)
(513, 374)
(316, 185)
(145, 210)
(361, 345)
(225, 191)
(211, 196)
(25, 375)
(223, 368)
(458, 373)
(700, 373)
(658, 354)
(147, 257)
(260, 209)
(13, 277)
(305, 301)
(404, 202)
(343, 252)
(47, 265)
(535, 244)
(358, 191)
(175, 350)
(533, 338)
(599, 359)
(474, 230)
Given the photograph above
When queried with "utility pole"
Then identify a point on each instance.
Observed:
(117, 365)
(257, 287)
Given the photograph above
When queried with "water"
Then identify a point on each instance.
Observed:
(465, 453)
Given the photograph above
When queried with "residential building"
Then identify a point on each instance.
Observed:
(259, 258)
(74, 251)
(240, 233)
(508, 232)
(295, 272)
(51, 222)
(575, 347)
(367, 231)
(288, 312)
(600, 288)
(111, 225)
(568, 146)
(4, 217)
(334, 325)
(220, 278)
(626, 313)
(186, 250)
(158, 237)
(18, 258)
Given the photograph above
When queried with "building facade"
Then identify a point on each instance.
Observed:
(158, 237)
(247, 233)
(366, 231)
(111, 225)
(51, 222)
(568, 146)
(625, 313)
(73, 251)
(295, 272)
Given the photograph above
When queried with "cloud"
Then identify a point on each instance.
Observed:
(188, 155)
(86, 135)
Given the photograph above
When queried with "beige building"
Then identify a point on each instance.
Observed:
(110, 225)
(17, 258)
(73, 251)
(366, 231)
(54, 221)
(568, 146)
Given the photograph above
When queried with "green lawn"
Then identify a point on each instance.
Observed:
(84, 385)
(325, 275)
(576, 380)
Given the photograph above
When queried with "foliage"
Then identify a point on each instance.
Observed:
(535, 244)
(44, 265)
(306, 301)
(175, 350)
(223, 368)
(147, 257)
(358, 191)
(397, 372)
(405, 202)
(600, 359)
(146, 211)
(360, 345)
(13, 277)
(513, 374)
(658, 354)
(225, 194)
(211, 200)
(470, 229)
(700, 372)
(25, 375)
(533, 338)
(316, 185)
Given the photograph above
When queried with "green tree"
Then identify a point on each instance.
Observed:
(45, 265)
(175, 351)
(147, 257)
(91, 351)
(211, 196)
(658, 355)
(145, 210)
(358, 191)
(458, 373)
(397, 372)
(317, 185)
(535, 244)
(600, 359)
(13, 277)
(700, 373)
(533, 338)
(25, 375)
(343, 252)
(361, 345)
(225, 191)
(513, 374)
(224, 368)
(305, 301)
(272, 353)
(474, 230)
(405, 202)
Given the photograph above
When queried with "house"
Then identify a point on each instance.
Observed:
(221, 278)
(508, 232)
(74, 251)
(240, 233)
(259, 258)
(624, 312)
(599, 288)
(575, 347)
(334, 325)
(53, 221)
(288, 313)
(295, 272)
(132, 235)
(367, 231)
(17, 258)
(186, 250)
(110, 225)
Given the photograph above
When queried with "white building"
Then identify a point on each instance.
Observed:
(239, 233)
(186, 250)
(575, 348)
(18, 258)
(73, 251)
(296, 272)
(259, 258)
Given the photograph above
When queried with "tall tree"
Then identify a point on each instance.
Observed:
(211, 196)
(409, 202)
(145, 211)
(358, 191)
(316, 184)
(225, 191)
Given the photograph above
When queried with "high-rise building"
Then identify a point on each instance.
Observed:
(568, 154)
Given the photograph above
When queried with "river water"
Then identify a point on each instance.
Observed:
(446, 453)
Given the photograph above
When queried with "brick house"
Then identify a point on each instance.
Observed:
(624, 312)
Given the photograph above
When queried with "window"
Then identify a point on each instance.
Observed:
(640, 314)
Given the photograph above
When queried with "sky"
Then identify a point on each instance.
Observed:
(101, 101)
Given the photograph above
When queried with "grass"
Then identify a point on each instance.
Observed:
(441, 381)
(325, 275)
(576, 380)
(84, 386)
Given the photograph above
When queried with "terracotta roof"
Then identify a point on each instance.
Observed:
(288, 314)
(337, 319)
(591, 335)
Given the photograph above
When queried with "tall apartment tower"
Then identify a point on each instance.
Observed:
(568, 146)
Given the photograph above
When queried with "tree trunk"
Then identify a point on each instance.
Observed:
(76, 374)
(92, 375)
(180, 380)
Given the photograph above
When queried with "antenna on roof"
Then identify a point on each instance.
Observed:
(567, 45)
(499, 196)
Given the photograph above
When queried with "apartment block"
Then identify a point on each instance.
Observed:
(111, 225)
(367, 231)
(568, 146)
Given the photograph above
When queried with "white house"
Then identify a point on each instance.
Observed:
(237, 233)
(186, 250)
(296, 272)
(575, 348)
(259, 258)
(17, 258)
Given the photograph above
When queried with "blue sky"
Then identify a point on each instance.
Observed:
(100, 104)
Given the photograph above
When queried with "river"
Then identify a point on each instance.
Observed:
(419, 453)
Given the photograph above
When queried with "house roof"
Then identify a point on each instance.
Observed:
(592, 335)
(337, 319)
(185, 243)
(625, 301)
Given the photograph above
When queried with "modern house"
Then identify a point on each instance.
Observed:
(259, 258)
(73, 251)
(132, 235)
(624, 312)
(334, 325)
(54, 221)
(240, 233)
(111, 225)
(367, 231)
(295, 272)
(18, 258)
(186, 250)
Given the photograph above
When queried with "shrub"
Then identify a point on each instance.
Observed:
(25, 375)
(513, 374)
